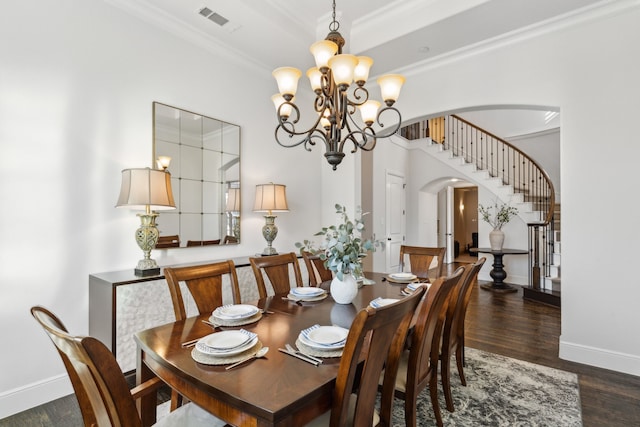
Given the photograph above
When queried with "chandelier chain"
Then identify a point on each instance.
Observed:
(334, 25)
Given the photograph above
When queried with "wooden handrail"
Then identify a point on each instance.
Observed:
(503, 160)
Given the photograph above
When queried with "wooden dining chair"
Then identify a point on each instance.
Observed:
(380, 334)
(420, 260)
(204, 282)
(318, 273)
(453, 331)
(277, 269)
(229, 239)
(418, 366)
(192, 243)
(102, 391)
(168, 242)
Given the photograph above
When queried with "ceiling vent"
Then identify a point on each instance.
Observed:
(212, 16)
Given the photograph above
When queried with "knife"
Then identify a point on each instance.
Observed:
(299, 353)
(299, 356)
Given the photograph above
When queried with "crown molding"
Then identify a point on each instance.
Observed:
(594, 12)
(149, 13)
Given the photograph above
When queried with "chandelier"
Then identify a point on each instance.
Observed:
(336, 100)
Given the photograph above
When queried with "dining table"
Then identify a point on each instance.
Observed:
(275, 390)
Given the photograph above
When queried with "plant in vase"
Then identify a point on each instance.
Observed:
(497, 217)
(342, 252)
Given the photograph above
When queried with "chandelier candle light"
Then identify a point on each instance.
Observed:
(270, 198)
(330, 80)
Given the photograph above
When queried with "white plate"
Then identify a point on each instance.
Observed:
(208, 350)
(307, 298)
(307, 292)
(403, 276)
(328, 335)
(381, 302)
(226, 343)
(235, 311)
(306, 341)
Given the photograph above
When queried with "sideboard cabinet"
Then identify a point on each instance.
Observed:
(121, 304)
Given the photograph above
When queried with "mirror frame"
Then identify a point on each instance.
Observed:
(205, 160)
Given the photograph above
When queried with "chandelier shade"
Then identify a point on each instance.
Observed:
(332, 80)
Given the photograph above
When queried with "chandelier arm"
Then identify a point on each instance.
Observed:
(294, 107)
(360, 92)
(309, 137)
(359, 137)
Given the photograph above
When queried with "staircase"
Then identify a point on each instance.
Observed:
(512, 176)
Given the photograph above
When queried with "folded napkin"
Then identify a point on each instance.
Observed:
(381, 302)
(414, 286)
(305, 332)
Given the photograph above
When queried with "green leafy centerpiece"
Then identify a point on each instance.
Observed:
(497, 217)
(342, 251)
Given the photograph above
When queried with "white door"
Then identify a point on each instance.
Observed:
(396, 219)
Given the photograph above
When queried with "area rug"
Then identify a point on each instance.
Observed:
(502, 391)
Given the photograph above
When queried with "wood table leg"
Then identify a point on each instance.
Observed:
(498, 274)
(147, 405)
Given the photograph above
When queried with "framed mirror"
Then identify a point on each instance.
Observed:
(203, 156)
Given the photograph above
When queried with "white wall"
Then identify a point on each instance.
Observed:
(77, 82)
(585, 69)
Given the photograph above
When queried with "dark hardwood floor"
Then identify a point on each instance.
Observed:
(498, 323)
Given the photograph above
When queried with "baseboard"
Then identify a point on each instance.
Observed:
(614, 361)
(35, 394)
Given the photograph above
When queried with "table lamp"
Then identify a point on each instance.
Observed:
(270, 198)
(149, 190)
(233, 210)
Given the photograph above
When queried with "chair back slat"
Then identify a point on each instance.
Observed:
(204, 282)
(420, 260)
(277, 269)
(318, 273)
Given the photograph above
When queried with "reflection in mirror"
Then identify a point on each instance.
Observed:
(203, 156)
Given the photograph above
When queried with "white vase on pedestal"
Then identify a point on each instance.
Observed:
(344, 291)
(496, 239)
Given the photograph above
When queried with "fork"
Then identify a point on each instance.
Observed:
(299, 353)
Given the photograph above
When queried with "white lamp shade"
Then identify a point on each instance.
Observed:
(271, 198)
(278, 100)
(361, 72)
(390, 86)
(145, 187)
(315, 78)
(287, 78)
(342, 67)
(322, 51)
(233, 200)
(369, 111)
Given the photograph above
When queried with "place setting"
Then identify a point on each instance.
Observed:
(306, 294)
(235, 315)
(402, 278)
(322, 341)
(228, 348)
